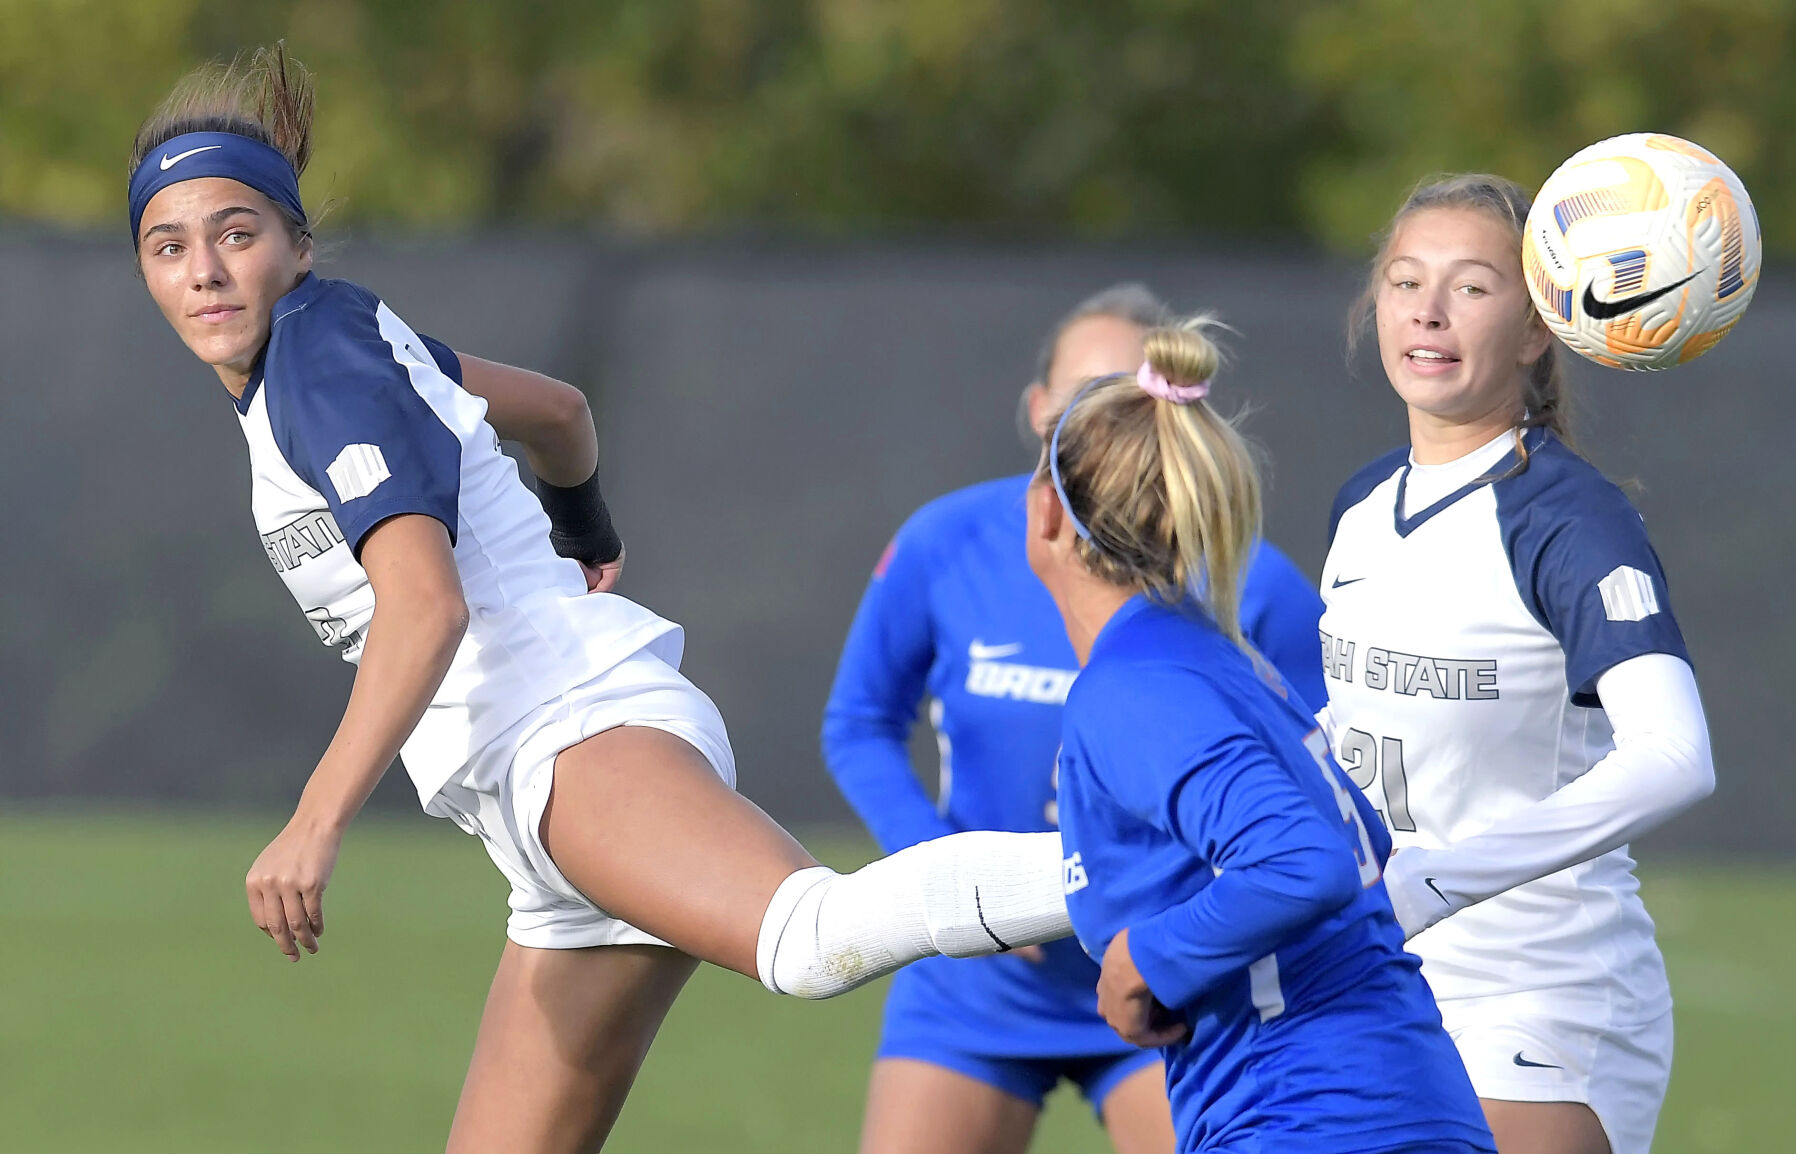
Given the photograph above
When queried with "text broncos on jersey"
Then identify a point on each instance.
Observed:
(1032, 683)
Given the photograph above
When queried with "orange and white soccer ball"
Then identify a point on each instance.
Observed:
(1642, 251)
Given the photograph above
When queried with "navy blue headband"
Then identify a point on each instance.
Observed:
(200, 154)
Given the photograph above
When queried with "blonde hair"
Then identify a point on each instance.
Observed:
(264, 95)
(1546, 397)
(1169, 492)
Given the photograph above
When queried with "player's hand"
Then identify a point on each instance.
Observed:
(1128, 1005)
(1417, 897)
(602, 578)
(286, 886)
(1034, 955)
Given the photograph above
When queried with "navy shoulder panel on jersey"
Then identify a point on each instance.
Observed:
(1583, 564)
(444, 356)
(347, 417)
(1360, 486)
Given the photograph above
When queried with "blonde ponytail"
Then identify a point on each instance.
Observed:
(1168, 491)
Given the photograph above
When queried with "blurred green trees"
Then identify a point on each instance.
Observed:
(1304, 117)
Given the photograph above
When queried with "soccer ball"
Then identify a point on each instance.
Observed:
(1642, 251)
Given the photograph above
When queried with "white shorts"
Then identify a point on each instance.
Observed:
(1562, 1046)
(500, 795)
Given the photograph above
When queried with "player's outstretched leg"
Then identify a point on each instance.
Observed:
(640, 823)
(965, 895)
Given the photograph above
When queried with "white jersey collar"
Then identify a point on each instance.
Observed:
(1426, 484)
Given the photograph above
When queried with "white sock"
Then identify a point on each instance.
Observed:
(964, 895)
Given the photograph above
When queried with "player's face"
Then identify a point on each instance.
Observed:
(1456, 329)
(216, 255)
(1090, 347)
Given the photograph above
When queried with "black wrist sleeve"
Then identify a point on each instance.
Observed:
(579, 523)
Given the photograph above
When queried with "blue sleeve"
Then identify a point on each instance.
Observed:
(1280, 613)
(873, 703)
(1210, 783)
(1586, 570)
(348, 419)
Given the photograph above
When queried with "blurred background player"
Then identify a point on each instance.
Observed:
(1218, 861)
(968, 1051)
(1508, 685)
(551, 722)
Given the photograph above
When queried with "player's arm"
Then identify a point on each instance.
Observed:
(350, 423)
(1591, 577)
(1661, 765)
(1283, 867)
(873, 702)
(553, 423)
(1282, 864)
(419, 618)
(550, 419)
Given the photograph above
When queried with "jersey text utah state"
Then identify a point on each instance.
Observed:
(310, 536)
(1411, 674)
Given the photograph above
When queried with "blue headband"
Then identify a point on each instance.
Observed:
(1054, 457)
(194, 155)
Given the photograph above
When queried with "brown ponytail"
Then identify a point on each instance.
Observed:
(264, 95)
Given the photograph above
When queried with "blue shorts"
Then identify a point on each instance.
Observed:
(1027, 1078)
(1013, 1024)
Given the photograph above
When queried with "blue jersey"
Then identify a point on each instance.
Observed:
(1200, 810)
(953, 613)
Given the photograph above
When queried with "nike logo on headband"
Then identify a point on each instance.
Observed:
(169, 162)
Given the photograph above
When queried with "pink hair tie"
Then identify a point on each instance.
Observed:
(1156, 385)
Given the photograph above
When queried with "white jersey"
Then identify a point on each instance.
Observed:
(1462, 639)
(353, 418)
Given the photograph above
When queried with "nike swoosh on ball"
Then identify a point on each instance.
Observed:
(1598, 310)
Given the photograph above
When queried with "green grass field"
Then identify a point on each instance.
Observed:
(140, 1011)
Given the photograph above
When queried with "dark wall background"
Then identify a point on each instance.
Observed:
(769, 413)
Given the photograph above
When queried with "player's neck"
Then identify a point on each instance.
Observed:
(1436, 441)
(1087, 603)
(235, 378)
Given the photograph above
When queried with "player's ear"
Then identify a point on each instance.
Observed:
(1046, 518)
(1035, 402)
(1536, 339)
